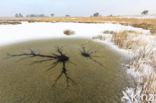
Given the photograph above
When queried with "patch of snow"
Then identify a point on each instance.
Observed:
(30, 31)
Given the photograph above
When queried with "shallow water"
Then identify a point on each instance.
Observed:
(24, 82)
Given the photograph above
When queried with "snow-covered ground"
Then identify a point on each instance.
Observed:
(30, 31)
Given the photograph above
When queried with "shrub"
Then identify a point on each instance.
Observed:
(145, 12)
(96, 14)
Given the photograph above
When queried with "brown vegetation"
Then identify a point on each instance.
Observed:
(128, 40)
(109, 32)
(151, 27)
(143, 60)
(93, 20)
(8, 22)
(68, 32)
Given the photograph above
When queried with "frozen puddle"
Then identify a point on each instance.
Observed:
(30, 31)
(31, 79)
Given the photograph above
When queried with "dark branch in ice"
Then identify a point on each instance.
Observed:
(57, 58)
(89, 54)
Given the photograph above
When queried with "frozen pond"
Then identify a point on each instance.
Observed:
(29, 79)
(99, 78)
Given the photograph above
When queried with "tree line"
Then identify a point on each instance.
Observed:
(96, 14)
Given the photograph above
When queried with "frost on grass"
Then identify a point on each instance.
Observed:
(58, 58)
(141, 66)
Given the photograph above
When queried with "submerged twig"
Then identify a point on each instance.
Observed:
(59, 58)
(88, 54)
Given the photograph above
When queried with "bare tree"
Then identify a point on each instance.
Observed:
(110, 15)
(52, 15)
(41, 15)
(36, 15)
(18, 15)
(96, 14)
(145, 12)
(67, 15)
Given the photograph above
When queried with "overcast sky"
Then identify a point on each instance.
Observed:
(76, 7)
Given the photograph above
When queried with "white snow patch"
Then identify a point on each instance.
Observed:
(29, 31)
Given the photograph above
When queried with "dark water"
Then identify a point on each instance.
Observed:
(99, 79)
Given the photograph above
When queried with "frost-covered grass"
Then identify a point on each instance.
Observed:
(141, 66)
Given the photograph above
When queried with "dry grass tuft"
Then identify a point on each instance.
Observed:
(128, 39)
(109, 32)
(9, 22)
(69, 32)
(100, 37)
(147, 26)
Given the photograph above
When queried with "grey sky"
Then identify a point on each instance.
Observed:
(76, 7)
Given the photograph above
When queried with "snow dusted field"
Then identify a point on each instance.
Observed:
(30, 31)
